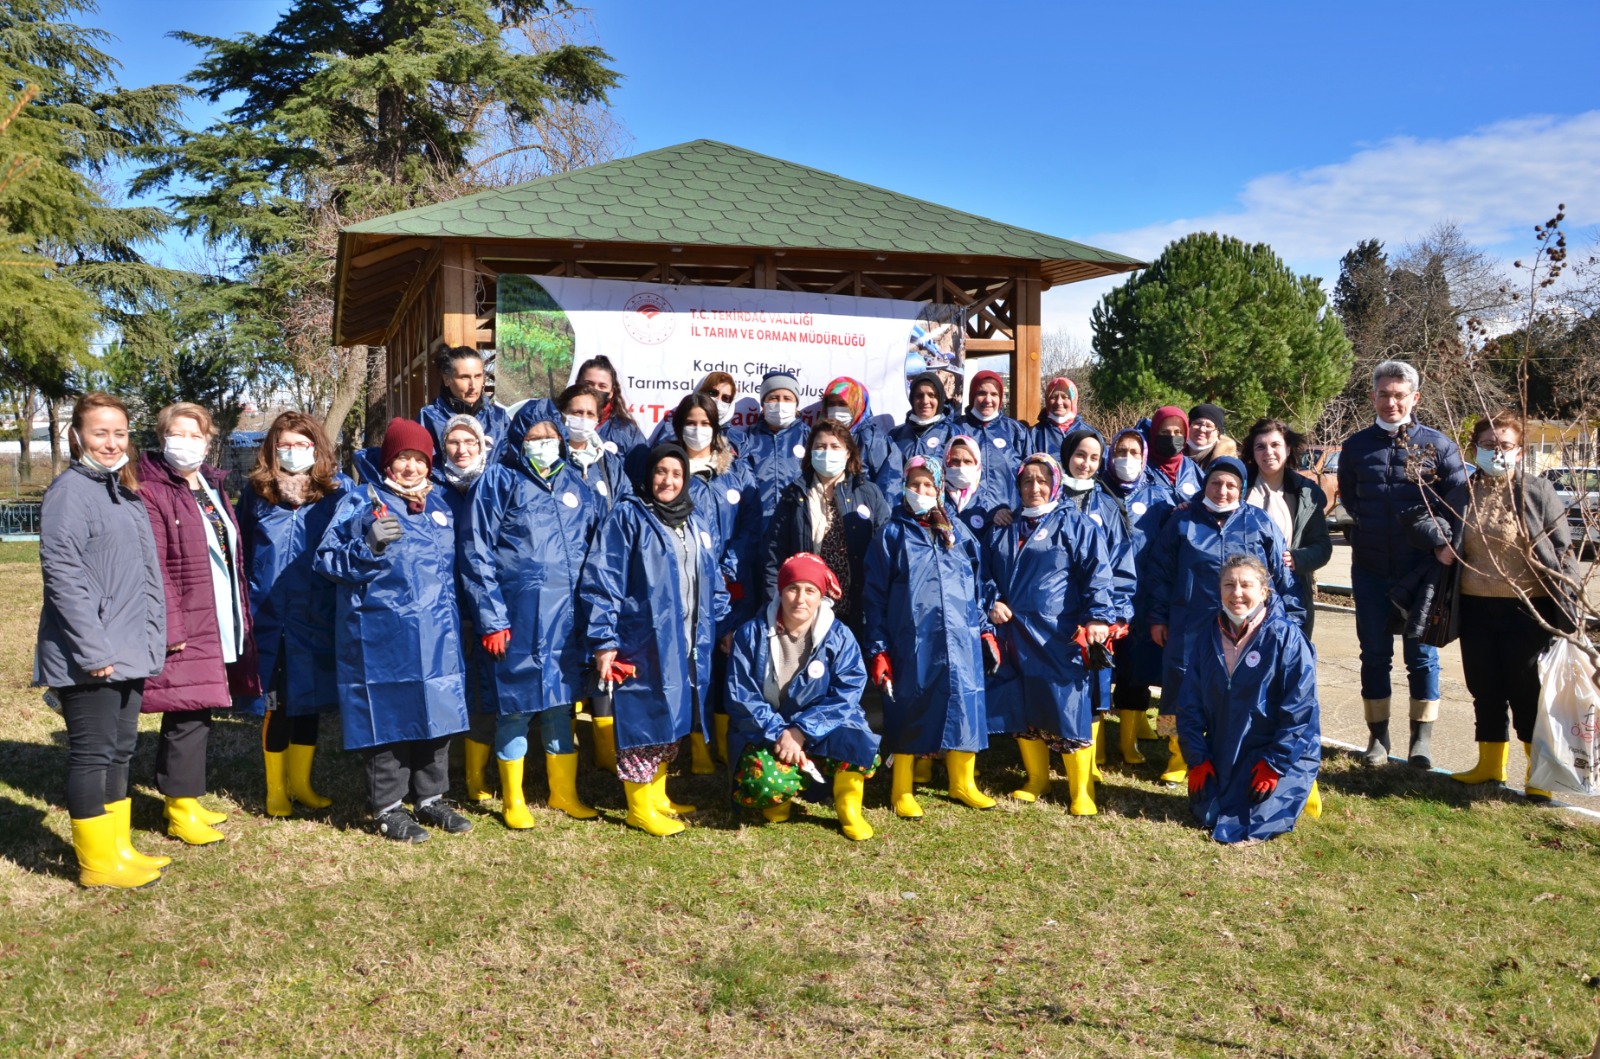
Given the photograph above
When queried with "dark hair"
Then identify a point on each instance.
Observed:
(445, 359)
(1295, 440)
(264, 475)
(578, 389)
(852, 463)
(1498, 421)
(129, 475)
(707, 404)
(618, 404)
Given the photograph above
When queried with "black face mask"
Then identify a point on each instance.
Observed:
(1166, 445)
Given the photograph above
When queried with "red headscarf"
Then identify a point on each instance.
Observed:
(809, 567)
(1171, 464)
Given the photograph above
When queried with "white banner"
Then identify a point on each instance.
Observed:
(664, 339)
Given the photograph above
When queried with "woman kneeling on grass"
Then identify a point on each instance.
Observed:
(1247, 714)
(794, 699)
(654, 595)
(391, 549)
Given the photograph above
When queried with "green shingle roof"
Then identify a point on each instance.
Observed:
(706, 193)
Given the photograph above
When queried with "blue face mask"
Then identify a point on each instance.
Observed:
(1494, 463)
(829, 463)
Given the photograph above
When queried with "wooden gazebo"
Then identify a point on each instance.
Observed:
(698, 213)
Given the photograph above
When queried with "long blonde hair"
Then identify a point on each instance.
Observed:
(88, 403)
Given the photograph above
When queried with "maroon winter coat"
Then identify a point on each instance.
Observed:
(194, 678)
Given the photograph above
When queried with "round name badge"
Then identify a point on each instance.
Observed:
(569, 499)
(705, 539)
(602, 488)
(440, 518)
(815, 669)
(933, 443)
(799, 451)
(732, 496)
(1252, 659)
(999, 443)
(976, 521)
(1098, 521)
(864, 511)
(1138, 507)
(611, 447)
(1188, 488)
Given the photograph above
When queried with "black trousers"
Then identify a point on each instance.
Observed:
(420, 768)
(278, 729)
(181, 754)
(1500, 649)
(102, 727)
(1128, 692)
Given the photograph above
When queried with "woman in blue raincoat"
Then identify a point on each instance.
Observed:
(1003, 441)
(655, 600)
(1053, 603)
(927, 426)
(1081, 453)
(846, 402)
(928, 640)
(774, 450)
(617, 431)
(1059, 417)
(971, 496)
(599, 468)
(391, 551)
(1146, 502)
(1185, 562)
(526, 537)
(295, 487)
(462, 391)
(1247, 714)
(794, 699)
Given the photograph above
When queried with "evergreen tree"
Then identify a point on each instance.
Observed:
(1214, 319)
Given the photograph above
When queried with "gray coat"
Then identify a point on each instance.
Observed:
(104, 603)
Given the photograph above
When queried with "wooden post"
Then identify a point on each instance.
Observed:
(458, 285)
(1025, 362)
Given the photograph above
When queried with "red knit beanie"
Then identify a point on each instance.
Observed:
(401, 435)
(809, 567)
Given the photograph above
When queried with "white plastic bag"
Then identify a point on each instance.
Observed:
(1566, 732)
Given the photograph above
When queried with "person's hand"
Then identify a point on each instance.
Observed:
(1445, 554)
(999, 614)
(384, 531)
(991, 653)
(602, 663)
(1288, 560)
(496, 642)
(1099, 631)
(1002, 517)
(790, 748)
(1263, 781)
(103, 671)
(1158, 635)
(882, 672)
(725, 645)
(174, 648)
(1199, 776)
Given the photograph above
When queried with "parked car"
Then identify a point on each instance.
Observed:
(1579, 489)
(1321, 464)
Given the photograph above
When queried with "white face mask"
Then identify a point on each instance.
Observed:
(1077, 485)
(698, 437)
(923, 421)
(986, 417)
(587, 456)
(829, 462)
(1219, 509)
(1392, 427)
(841, 415)
(95, 465)
(920, 503)
(1062, 417)
(460, 476)
(1238, 621)
(582, 428)
(963, 476)
(779, 414)
(725, 412)
(296, 461)
(184, 454)
(1127, 468)
(1200, 450)
(1038, 512)
(1494, 463)
(542, 454)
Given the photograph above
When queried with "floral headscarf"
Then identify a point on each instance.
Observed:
(937, 522)
(854, 394)
(1056, 475)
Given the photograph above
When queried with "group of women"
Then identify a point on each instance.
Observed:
(740, 588)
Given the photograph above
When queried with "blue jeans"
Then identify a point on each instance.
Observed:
(555, 731)
(1373, 614)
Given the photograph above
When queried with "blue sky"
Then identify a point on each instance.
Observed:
(1305, 126)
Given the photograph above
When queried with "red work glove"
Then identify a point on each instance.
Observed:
(1118, 631)
(617, 672)
(1199, 775)
(991, 651)
(882, 672)
(1081, 638)
(495, 642)
(1263, 781)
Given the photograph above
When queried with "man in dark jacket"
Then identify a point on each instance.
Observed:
(1391, 467)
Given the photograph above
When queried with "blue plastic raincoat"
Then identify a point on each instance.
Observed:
(923, 604)
(976, 510)
(630, 593)
(291, 607)
(928, 441)
(397, 632)
(620, 437)
(789, 532)
(1003, 443)
(773, 459)
(880, 457)
(1047, 435)
(1265, 711)
(494, 419)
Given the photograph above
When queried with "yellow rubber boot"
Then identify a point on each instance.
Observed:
(779, 814)
(922, 770)
(642, 812)
(513, 801)
(1146, 727)
(477, 755)
(962, 767)
(1098, 729)
(1036, 760)
(719, 736)
(99, 863)
(902, 794)
(1313, 807)
(1535, 794)
(848, 788)
(1080, 781)
(700, 763)
(562, 770)
(185, 822)
(1177, 769)
(663, 803)
(122, 813)
(1128, 735)
(277, 765)
(208, 816)
(1491, 766)
(605, 743)
(300, 756)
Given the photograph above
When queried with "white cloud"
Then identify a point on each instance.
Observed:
(1495, 183)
